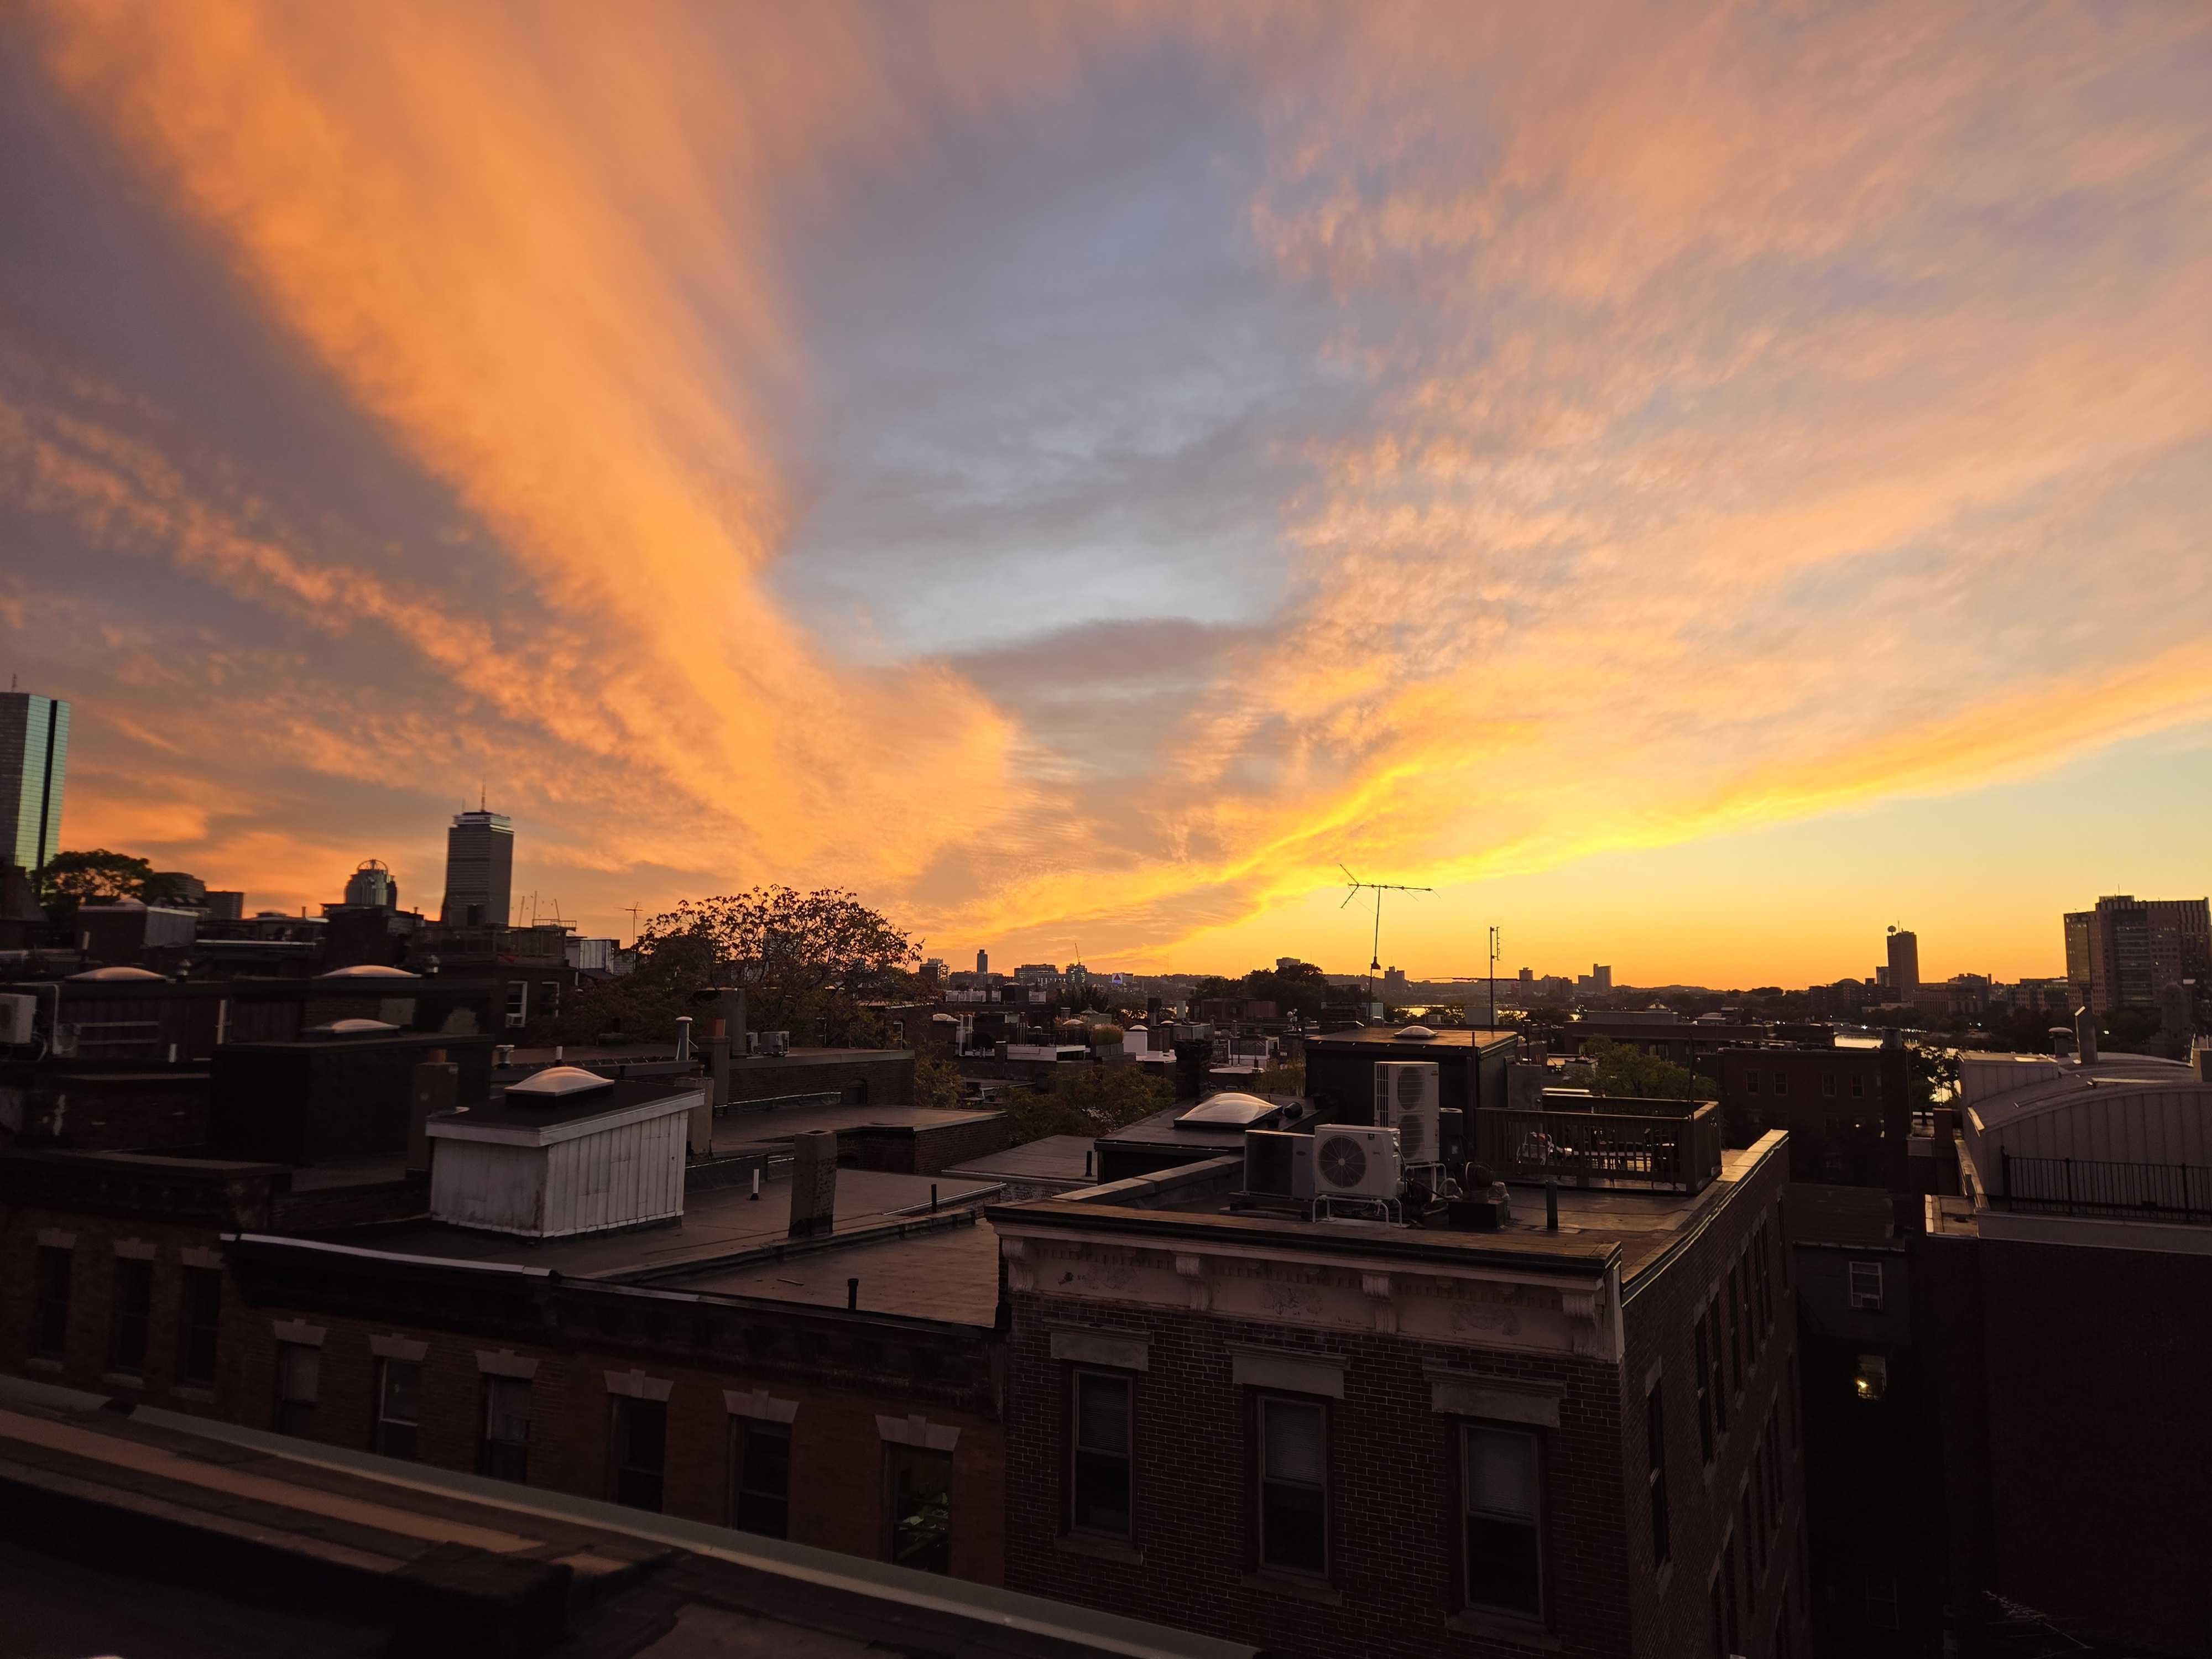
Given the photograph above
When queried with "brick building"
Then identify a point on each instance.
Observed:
(1832, 1100)
(2065, 1361)
(1340, 1066)
(1333, 1438)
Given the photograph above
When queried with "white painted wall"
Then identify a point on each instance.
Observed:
(577, 1178)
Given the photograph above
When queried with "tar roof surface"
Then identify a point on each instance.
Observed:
(719, 1223)
(950, 1273)
(1055, 1158)
(743, 1126)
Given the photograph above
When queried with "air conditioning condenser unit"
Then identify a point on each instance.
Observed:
(1408, 1098)
(17, 1012)
(1350, 1162)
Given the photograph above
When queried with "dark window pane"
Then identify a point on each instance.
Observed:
(398, 1406)
(762, 1501)
(919, 1487)
(507, 1428)
(1504, 1567)
(1102, 1467)
(202, 1318)
(1293, 1489)
(641, 1451)
(134, 1298)
(298, 1383)
(54, 1265)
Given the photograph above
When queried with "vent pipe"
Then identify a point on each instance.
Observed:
(683, 1036)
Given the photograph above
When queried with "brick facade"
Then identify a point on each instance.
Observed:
(1828, 1100)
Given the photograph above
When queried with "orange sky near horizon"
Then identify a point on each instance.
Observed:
(1690, 485)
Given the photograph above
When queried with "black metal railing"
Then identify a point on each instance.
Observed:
(1670, 1144)
(2103, 1187)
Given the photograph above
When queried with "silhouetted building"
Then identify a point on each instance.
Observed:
(33, 761)
(479, 871)
(2123, 952)
(372, 883)
(1903, 965)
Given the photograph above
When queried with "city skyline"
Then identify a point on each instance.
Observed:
(1090, 476)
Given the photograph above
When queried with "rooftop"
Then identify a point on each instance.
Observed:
(313, 1548)
(1387, 1037)
(1596, 1227)
(744, 1124)
(948, 1271)
(1055, 1157)
(718, 1225)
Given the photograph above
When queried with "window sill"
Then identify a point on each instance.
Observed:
(198, 1396)
(1503, 1627)
(1102, 1549)
(41, 1363)
(123, 1380)
(1285, 1583)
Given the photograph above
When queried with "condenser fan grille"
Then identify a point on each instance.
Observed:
(1343, 1161)
(1411, 1130)
(1409, 1089)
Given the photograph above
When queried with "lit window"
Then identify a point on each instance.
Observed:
(299, 1384)
(918, 1483)
(1866, 1286)
(641, 1451)
(1293, 1486)
(760, 1480)
(1871, 1380)
(1505, 1552)
(1101, 1486)
(134, 1301)
(398, 1405)
(505, 1453)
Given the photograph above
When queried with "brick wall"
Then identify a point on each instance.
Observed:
(888, 1077)
(1672, 1609)
(837, 1451)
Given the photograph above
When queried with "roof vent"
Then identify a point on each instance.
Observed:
(368, 970)
(113, 975)
(346, 1028)
(558, 1083)
(1230, 1110)
(1415, 1034)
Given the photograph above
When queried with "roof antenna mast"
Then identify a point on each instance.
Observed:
(1378, 888)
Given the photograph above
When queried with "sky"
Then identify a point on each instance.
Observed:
(1692, 485)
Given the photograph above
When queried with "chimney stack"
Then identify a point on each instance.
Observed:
(813, 1183)
(2200, 1060)
(437, 1089)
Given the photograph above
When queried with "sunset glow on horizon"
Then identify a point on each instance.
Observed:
(1692, 485)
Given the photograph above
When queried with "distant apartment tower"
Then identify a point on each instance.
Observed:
(1601, 978)
(2125, 951)
(1903, 965)
(982, 962)
(479, 869)
(33, 759)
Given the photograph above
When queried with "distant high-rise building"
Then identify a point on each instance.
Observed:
(982, 962)
(33, 759)
(372, 883)
(1528, 981)
(479, 869)
(1903, 965)
(2125, 951)
(1394, 986)
(1601, 978)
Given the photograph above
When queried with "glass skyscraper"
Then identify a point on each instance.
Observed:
(33, 758)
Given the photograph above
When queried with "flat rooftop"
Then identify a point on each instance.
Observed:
(1386, 1036)
(717, 1224)
(742, 1125)
(164, 1537)
(1595, 1225)
(949, 1272)
(1055, 1158)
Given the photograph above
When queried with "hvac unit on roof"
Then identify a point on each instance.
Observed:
(16, 1013)
(1355, 1162)
(1409, 1095)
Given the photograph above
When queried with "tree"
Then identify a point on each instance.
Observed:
(100, 876)
(1293, 986)
(805, 960)
(1094, 1100)
(1628, 1073)
(936, 1082)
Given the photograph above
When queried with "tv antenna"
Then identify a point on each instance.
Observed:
(633, 910)
(1378, 888)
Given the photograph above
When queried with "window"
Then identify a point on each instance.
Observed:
(1704, 1379)
(1293, 1486)
(760, 1476)
(1654, 1437)
(1866, 1286)
(1752, 1562)
(1736, 1324)
(1871, 1380)
(298, 1383)
(504, 1454)
(1719, 1622)
(1715, 1382)
(1751, 1081)
(1728, 1596)
(1781, 1083)
(1505, 1548)
(641, 1451)
(1858, 1087)
(398, 1405)
(1828, 1085)
(1763, 1305)
(134, 1302)
(918, 1483)
(1881, 1601)
(1100, 1479)
(518, 1002)
(198, 1322)
(50, 1340)
(549, 998)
